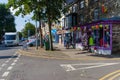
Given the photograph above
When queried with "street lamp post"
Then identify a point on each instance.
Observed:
(3, 28)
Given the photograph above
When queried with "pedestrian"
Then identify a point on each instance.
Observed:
(25, 46)
(67, 42)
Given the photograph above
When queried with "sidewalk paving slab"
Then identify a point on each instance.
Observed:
(62, 53)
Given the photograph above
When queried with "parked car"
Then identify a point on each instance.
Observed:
(32, 42)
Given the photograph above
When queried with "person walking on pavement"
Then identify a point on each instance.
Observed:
(67, 42)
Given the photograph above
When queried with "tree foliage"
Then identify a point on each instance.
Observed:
(6, 20)
(20, 35)
(28, 27)
(47, 10)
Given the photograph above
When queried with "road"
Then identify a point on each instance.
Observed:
(17, 67)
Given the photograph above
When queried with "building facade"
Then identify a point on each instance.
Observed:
(91, 24)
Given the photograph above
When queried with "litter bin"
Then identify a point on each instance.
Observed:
(46, 45)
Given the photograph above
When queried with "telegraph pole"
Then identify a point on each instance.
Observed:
(36, 33)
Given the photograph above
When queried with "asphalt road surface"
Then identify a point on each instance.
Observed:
(17, 67)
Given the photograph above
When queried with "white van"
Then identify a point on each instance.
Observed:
(11, 39)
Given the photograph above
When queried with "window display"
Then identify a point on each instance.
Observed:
(106, 36)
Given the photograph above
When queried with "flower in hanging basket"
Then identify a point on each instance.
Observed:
(93, 27)
(97, 27)
(75, 28)
(78, 28)
(100, 25)
(107, 26)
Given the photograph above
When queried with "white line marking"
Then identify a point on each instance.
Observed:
(5, 74)
(9, 68)
(97, 66)
(2, 79)
(88, 64)
(13, 64)
(19, 55)
(15, 60)
(7, 61)
(3, 65)
(14, 54)
(68, 67)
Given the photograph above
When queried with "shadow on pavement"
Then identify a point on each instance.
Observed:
(55, 49)
(4, 57)
(7, 48)
(81, 53)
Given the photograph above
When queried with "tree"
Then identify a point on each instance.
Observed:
(20, 35)
(25, 7)
(28, 27)
(6, 20)
(54, 9)
(48, 10)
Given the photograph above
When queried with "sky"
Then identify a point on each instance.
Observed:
(19, 21)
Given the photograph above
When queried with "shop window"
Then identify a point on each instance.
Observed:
(66, 25)
(78, 37)
(106, 36)
(84, 36)
(74, 20)
(100, 35)
(70, 21)
(94, 35)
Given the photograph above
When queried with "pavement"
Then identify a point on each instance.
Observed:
(60, 52)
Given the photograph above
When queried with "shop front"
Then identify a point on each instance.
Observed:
(102, 37)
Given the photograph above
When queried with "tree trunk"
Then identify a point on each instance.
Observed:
(41, 40)
(50, 35)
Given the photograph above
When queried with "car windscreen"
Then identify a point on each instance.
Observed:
(10, 37)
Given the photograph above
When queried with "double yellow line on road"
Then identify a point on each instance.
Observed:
(111, 76)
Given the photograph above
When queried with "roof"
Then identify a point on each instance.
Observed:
(10, 33)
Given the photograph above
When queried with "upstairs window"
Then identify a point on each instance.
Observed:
(75, 8)
(82, 4)
(96, 14)
(81, 19)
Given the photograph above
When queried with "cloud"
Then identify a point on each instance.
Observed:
(13, 10)
(19, 28)
(21, 21)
